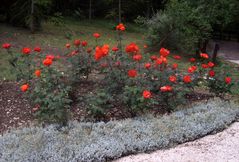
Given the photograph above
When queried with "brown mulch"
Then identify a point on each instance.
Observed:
(15, 110)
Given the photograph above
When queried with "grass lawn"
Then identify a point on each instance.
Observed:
(52, 36)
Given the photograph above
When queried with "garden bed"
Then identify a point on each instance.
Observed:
(16, 110)
(106, 141)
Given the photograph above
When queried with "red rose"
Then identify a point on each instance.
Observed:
(145, 46)
(84, 43)
(228, 80)
(38, 73)
(205, 66)
(68, 45)
(47, 62)
(50, 57)
(192, 69)
(204, 55)
(132, 48)
(147, 65)
(89, 50)
(26, 50)
(6, 45)
(175, 66)
(159, 61)
(172, 78)
(101, 51)
(177, 57)
(24, 87)
(211, 73)
(164, 52)
(96, 35)
(166, 89)
(120, 27)
(147, 94)
(77, 42)
(132, 73)
(192, 59)
(153, 57)
(187, 79)
(115, 49)
(137, 57)
(211, 64)
(37, 49)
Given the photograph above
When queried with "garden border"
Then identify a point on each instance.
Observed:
(107, 141)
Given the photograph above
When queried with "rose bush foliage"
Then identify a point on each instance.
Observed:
(132, 78)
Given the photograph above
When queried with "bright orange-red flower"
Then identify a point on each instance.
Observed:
(38, 73)
(147, 65)
(211, 64)
(166, 88)
(228, 80)
(6, 45)
(84, 43)
(47, 62)
(159, 61)
(164, 52)
(192, 69)
(147, 94)
(174, 66)
(145, 46)
(26, 50)
(132, 73)
(120, 27)
(187, 79)
(77, 42)
(24, 87)
(137, 57)
(204, 55)
(132, 48)
(96, 35)
(37, 49)
(101, 51)
(211, 73)
(50, 57)
(172, 78)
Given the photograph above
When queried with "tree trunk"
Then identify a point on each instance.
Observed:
(32, 25)
(198, 49)
(204, 48)
(90, 10)
(119, 11)
(214, 56)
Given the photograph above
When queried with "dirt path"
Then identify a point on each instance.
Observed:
(221, 147)
(228, 50)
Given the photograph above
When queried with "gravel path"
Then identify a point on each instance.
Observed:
(221, 147)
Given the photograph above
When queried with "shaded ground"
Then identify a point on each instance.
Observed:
(221, 147)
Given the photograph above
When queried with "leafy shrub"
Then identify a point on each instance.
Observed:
(132, 80)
